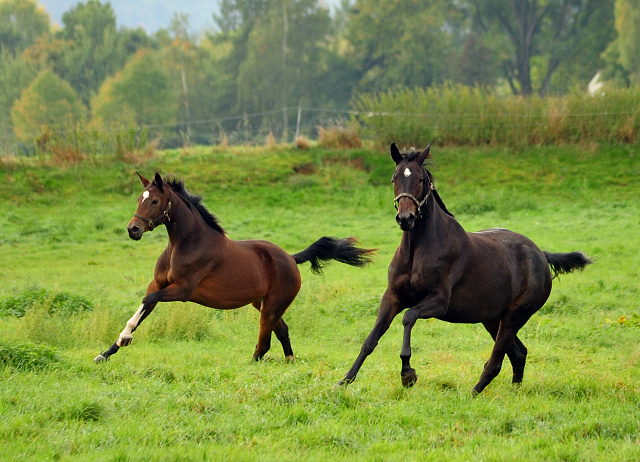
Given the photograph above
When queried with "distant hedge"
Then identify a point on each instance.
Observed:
(459, 115)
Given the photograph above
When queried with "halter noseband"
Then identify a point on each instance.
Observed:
(418, 203)
(156, 221)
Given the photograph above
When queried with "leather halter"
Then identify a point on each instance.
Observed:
(156, 221)
(418, 203)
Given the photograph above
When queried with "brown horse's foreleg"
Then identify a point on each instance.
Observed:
(389, 309)
(431, 306)
(517, 352)
(126, 336)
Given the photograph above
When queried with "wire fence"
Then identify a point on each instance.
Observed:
(413, 123)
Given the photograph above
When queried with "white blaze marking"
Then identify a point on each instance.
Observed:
(407, 172)
(145, 196)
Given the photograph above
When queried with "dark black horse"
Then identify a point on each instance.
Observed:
(496, 277)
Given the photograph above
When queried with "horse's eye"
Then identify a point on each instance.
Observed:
(155, 201)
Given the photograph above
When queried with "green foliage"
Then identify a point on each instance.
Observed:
(410, 52)
(625, 49)
(20, 356)
(458, 115)
(94, 49)
(58, 302)
(21, 23)
(49, 103)
(139, 95)
(532, 40)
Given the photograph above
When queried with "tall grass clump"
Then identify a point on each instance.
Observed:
(459, 115)
(20, 356)
(64, 302)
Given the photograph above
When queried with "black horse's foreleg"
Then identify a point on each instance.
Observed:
(431, 306)
(389, 308)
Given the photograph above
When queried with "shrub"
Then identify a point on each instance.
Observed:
(340, 136)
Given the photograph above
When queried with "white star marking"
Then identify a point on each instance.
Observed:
(145, 196)
(407, 172)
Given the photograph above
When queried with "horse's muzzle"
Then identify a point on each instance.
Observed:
(135, 232)
(406, 220)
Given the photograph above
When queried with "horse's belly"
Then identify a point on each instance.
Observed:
(228, 295)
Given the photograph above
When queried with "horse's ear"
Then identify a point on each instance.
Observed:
(395, 153)
(144, 181)
(424, 155)
(158, 181)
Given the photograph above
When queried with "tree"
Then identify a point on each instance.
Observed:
(140, 94)
(21, 22)
(48, 103)
(552, 31)
(94, 48)
(401, 42)
(277, 50)
(624, 51)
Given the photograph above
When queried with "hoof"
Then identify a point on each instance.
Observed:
(100, 359)
(410, 379)
(290, 358)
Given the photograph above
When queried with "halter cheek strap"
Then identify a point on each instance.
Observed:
(160, 219)
(418, 203)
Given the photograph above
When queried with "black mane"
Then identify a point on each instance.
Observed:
(195, 201)
(412, 154)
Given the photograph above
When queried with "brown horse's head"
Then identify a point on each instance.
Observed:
(154, 205)
(411, 185)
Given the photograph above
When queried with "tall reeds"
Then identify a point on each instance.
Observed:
(459, 115)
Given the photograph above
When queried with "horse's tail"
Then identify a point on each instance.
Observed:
(563, 263)
(331, 248)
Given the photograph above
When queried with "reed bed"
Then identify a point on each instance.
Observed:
(456, 115)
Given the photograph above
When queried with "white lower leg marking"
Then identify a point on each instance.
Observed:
(131, 324)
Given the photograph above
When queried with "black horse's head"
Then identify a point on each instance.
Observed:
(411, 184)
(154, 205)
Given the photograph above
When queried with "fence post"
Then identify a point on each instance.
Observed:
(298, 126)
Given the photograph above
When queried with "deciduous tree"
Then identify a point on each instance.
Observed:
(48, 103)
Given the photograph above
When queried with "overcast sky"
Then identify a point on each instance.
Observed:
(149, 14)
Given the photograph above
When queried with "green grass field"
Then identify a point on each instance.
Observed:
(186, 388)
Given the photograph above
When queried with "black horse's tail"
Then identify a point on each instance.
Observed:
(563, 263)
(331, 248)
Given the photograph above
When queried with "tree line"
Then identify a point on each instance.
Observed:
(265, 58)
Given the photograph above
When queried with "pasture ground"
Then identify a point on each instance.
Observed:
(186, 388)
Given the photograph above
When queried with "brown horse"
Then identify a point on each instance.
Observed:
(202, 265)
(495, 277)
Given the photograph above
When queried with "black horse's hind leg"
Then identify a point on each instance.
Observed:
(517, 352)
(510, 324)
(389, 308)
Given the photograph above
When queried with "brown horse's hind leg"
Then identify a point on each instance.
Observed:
(271, 321)
(517, 352)
(282, 334)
